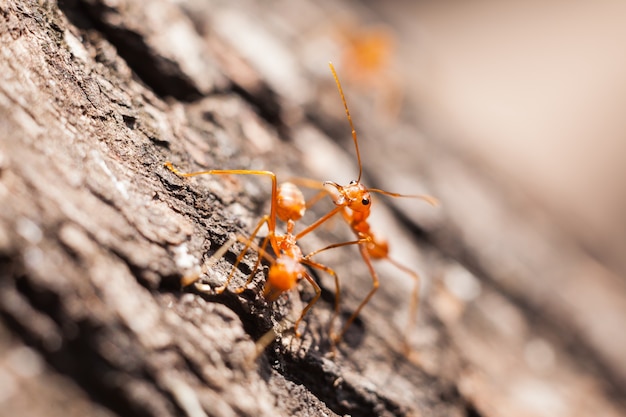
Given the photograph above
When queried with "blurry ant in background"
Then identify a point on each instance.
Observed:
(367, 55)
(354, 203)
(287, 264)
(367, 51)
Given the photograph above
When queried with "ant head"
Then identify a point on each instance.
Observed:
(355, 195)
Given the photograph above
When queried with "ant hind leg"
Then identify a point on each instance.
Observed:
(414, 302)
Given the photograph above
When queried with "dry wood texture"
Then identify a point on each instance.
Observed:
(95, 234)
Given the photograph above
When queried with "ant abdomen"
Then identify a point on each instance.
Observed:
(291, 204)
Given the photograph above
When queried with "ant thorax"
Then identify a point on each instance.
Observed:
(288, 246)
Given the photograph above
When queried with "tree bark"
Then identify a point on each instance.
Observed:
(96, 234)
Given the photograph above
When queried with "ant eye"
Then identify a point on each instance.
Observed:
(365, 201)
(352, 182)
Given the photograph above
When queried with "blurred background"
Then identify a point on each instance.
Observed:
(537, 91)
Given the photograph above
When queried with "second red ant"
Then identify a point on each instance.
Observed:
(354, 202)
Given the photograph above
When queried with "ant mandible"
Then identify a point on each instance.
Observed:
(287, 265)
(354, 202)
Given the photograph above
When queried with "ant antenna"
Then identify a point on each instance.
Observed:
(345, 105)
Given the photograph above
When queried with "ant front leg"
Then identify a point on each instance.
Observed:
(271, 221)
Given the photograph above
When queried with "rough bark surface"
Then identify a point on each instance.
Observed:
(95, 235)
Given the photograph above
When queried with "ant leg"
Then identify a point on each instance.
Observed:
(261, 251)
(248, 242)
(375, 283)
(188, 280)
(317, 224)
(219, 253)
(307, 182)
(415, 298)
(336, 245)
(317, 197)
(269, 336)
(318, 293)
(332, 273)
(272, 216)
(312, 184)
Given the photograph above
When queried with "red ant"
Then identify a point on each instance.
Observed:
(354, 203)
(287, 267)
(288, 204)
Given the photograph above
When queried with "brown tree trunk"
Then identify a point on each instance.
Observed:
(96, 234)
